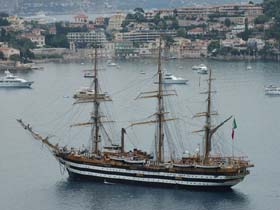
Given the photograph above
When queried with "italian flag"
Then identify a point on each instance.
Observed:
(234, 126)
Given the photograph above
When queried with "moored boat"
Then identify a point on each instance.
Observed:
(12, 81)
(272, 90)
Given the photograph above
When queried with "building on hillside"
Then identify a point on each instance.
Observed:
(115, 21)
(8, 52)
(196, 31)
(86, 39)
(258, 44)
(124, 49)
(99, 21)
(149, 15)
(81, 18)
(236, 43)
(143, 35)
(38, 40)
(164, 12)
(186, 48)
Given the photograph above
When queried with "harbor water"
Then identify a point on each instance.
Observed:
(31, 178)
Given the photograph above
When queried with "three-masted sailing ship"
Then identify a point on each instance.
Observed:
(114, 164)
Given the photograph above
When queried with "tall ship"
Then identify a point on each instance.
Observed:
(114, 164)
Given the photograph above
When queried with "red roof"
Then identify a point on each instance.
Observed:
(81, 15)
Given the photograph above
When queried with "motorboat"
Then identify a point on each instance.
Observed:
(202, 71)
(272, 90)
(89, 75)
(12, 81)
(249, 67)
(171, 79)
(198, 67)
(111, 64)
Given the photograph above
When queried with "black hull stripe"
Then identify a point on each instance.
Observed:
(81, 177)
(152, 176)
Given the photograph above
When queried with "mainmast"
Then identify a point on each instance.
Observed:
(160, 114)
(207, 146)
(209, 129)
(95, 117)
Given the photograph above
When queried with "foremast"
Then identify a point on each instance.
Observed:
(95, 116)
(160, 113)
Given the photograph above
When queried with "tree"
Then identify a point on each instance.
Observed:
(2, 55)
(140, 10)
(15, 58)
(168, 40)
(4, 22)
(227, 22)
(214, 45)
(261, 19)
(181, 32)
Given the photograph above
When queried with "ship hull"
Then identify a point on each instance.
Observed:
(16, 85)
(114, 174)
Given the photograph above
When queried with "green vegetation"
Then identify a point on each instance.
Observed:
(1, 55)
(45, 56)
(4, 22)
(157, 23)
(23, 44)
(60, 38)
(214, 46)
(271, 12)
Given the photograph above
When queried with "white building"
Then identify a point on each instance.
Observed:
(143, 35)
(85, 39)
(115, 21)
(38, 40)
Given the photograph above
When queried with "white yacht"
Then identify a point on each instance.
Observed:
(272, 90)
(112, 64)
(197, 67)
(201, 69)
(10, 80)
(171, 79)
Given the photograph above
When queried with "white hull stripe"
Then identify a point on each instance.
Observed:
(126, 172)
(153, 180)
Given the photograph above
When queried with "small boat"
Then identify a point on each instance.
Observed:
(171, 79)
(249, 67)
(272, 90)
(89, 75)
(142, 72)
(202, 71)
(198, 67)
(11, 81)
(111, 64)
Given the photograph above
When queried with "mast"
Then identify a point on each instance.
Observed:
(95, 117)
(207, 146)
(160, 114)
